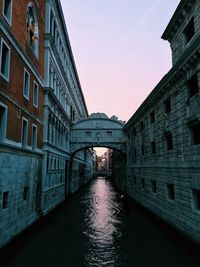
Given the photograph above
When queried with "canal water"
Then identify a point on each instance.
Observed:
(98, 226)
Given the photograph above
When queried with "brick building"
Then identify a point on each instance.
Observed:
(21, 113)
(163, 136)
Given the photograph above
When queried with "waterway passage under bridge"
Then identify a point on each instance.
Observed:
(98, 226)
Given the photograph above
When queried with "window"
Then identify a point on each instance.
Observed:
(142, 150)
(170, 192)
(87, 134)
(7, 10)
(35, 94)
(153, 147)
(5, 200)
(5, 60)
(134, 181)
(109, 133)
(196, 134)
(143, 183)
(24, 132)
(32, 29)
(152, 117)
(167, 105)
(153, 186)
(134, 131)
(3, 122)
(193, 86)
(196, 199)
(25, 193)
(189, 31)
(34, 137)
(169, 141)
(26, 84)
(141, 125)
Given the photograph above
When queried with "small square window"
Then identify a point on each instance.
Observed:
(7, 10)
(26, 84)
(167, 104)
(153, 186)
(5, 200)
(170, 192)
(196, 199)
(5, 60)
(35, 94)
(189, 31)
(152, 117)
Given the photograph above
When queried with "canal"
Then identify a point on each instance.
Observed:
(98, 226)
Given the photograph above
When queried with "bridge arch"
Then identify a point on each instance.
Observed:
(97, 131)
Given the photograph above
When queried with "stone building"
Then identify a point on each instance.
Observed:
(64, 104)
(21, 113)
(163, 136)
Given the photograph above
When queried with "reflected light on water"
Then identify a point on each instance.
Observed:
(101, 224)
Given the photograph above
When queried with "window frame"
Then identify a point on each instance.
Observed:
(26, 72)
(34, 146)
(9, 20)
(9, 49)
(35, 84)
(22, 133)
(3, 131)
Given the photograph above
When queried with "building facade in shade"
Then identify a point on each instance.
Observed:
(64, 104)
(21, 113)
(163, 136)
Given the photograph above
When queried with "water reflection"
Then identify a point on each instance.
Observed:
(102, 224)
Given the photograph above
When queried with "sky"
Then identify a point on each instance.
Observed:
(118, 50)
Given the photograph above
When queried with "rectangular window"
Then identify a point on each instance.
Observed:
(142, 150)
(134, 181)
(153, 186)
(196, 199)
(193, 87)
(143, 183)
(196, 134)
(35, 94)
(87, 134)
(134, 131)
(170, 192)
(167, 105)
(5, 200)
(141, 125)
(3, 122)
(26, 84)
(24, 132)
(25, 193)
(5, 60)
(189, 31)
(152, 117)
(169, 141)
(153, 147)
(34, 137)
(109, 133)
(7, 10)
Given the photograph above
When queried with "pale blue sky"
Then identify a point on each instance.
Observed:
(118, 51)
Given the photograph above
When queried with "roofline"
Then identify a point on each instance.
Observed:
(173, 19)
(70, 51)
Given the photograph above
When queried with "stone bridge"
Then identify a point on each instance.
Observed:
(97, 131)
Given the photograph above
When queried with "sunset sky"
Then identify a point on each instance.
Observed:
(118, 51)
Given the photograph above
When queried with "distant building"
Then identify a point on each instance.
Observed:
(163, 136)
(21, 113)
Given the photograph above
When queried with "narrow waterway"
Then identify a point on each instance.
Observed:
(98, 226)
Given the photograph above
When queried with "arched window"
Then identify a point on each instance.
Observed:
(32, 28)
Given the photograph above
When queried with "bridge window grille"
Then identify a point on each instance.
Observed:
(195, 129)
(189, 31)
(153, 186)
(193, 87)
(170, 192)
(196, 199)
